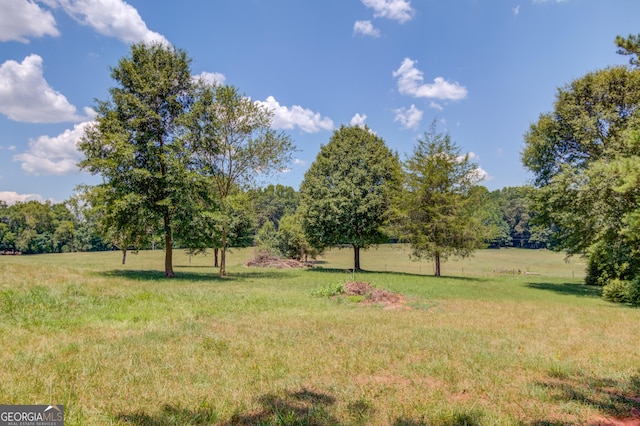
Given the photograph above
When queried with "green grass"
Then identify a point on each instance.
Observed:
(485, 345)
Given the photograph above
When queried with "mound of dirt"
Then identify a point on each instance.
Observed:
(270, 261)
(357, 288)
(375, 296)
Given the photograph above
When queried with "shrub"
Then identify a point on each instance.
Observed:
(616, 291)
(633, 291)
(606, 263)
(329, 290)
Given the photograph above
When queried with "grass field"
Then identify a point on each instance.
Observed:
(508, 337)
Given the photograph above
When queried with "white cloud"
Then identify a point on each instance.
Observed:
(481, 174)
(478, 173)
(398, 10)
(299, 162)
(56, 155)
(471, 156)
(436, 105)
(358, 120)
(26, 96)
(211, 77)
(296, 116)
(365, 28)
(24, 18)
(11, 197)
(409, 117)
(114, 18)
(411, 82)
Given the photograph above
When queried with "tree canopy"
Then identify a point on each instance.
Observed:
(233, 142)
(135, 143)
(438, 202)
(346, 193)
(584, 156)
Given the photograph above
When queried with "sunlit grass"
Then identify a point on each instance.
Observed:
(122, 345)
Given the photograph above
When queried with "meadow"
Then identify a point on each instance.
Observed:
(507, 337)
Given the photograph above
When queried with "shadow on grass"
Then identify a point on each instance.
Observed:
(568, 289)
(456, 419)
(402, 274)
(613, 399)
(302, 407)
(155, 275)
(171, 416)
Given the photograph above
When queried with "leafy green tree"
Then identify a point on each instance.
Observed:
(491, 215)
(584, 156)
(233, 144)
(346, 193)
(234, 217)
(273, 202)
(121, 219)
(439, 218)
(267, 238)
(292, 242)
(135, 143)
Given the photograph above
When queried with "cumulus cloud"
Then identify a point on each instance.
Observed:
(211, 77)
(365, 28)
(397, 10)
(56, 155)
(299, 162)
(478, 173)
(26, 96)
(113, 18)
(24, 18)
(411, 82)
(481, 174)
(296, 116)
(358, 120)
(11, 197)
(409, 117)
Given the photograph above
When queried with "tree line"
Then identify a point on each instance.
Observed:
(178, 157)
(269, 219)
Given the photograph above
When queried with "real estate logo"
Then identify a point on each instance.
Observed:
(31, 415)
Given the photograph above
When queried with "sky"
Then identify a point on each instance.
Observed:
(482, 70)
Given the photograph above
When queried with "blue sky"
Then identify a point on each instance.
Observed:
(482, 69)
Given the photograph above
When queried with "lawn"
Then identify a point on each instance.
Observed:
(508, 337)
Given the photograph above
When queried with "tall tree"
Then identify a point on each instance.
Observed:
(439, 199)
(135, 145)
(233, 144)
(584, 156)
(346, 193)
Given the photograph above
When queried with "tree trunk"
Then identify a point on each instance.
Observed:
(356, 259)
(437, 260)
(215, 258)
(223, 254)
(124, 256)
(168, 249)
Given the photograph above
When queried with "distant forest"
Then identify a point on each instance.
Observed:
(35, 227)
